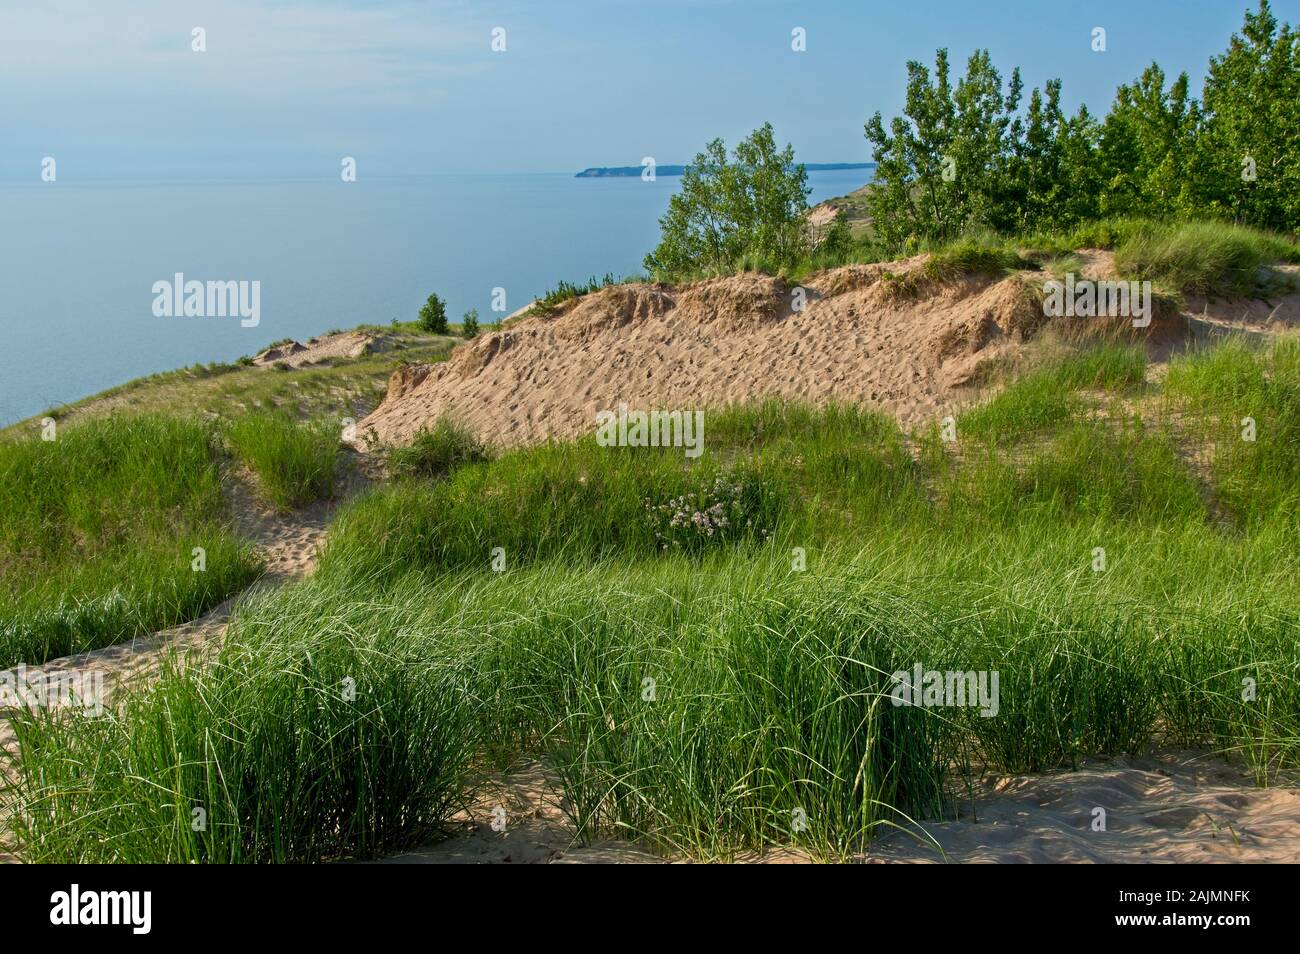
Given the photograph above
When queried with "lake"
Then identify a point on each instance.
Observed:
(80, 260)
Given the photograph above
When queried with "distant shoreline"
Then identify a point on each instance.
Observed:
(609, 172)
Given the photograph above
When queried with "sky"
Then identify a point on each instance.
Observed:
(113, 90)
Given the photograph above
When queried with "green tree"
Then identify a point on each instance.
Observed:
(1080, 186)
(948, 163)
(1147, 142)
(469, 324)
(433, 316)
(745, 211)
(1249, 150)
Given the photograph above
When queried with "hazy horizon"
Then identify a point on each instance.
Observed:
(114, 92)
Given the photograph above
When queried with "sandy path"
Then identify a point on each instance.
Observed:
(289, 544)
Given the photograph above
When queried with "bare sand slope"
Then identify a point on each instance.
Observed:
(890, 336)
(343, 344)
(1172, 807)
(886, 336)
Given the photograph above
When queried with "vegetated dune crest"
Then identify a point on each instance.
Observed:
(341, 344)
(895, 336)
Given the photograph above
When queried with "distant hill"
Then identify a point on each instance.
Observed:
(608, 172)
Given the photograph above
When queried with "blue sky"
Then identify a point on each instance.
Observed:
(111, 88)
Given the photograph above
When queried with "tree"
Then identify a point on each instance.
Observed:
(469, 324)
(1146, 147)
(945, 165)
(731, 213)
(433, 316)
(1249, 149)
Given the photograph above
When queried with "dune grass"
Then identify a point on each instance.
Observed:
(1206, 258)
(436, 451)
(1200, 257)
(345, 387)
(295, 462)
(1244, 407)
(302, 748)
(564, 291)
(694, 703)
(98, 532)
(702, 698)
(1047, 396)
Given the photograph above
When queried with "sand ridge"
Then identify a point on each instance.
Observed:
(889, 337)
(343, 344)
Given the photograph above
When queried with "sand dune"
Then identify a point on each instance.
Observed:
(891, 337)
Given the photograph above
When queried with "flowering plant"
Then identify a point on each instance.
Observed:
(732, 506)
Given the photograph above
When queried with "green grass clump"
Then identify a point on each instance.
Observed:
(295, 463)
(1102, 367)
(975, 255)
(98, 532)
(437, 451)
(575, 501)
(1045, 397)
(1027, 406)
(1201, 257)
(1205, 258)
(312, 737)
(1245, 405)
(1111, 468)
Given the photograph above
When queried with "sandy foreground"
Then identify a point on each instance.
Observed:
(865, 336)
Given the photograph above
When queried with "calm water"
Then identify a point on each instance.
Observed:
(80, 260)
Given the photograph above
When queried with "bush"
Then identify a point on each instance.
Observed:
(750, 208)
(437, 452)
(469, 325)
(433, 316)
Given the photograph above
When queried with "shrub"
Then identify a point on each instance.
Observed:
(437, 451)
(750, 207)
(433, 316)
(469, 325)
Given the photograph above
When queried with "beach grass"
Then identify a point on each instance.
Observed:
(708, 694)
(101, 530)
(295, 462)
